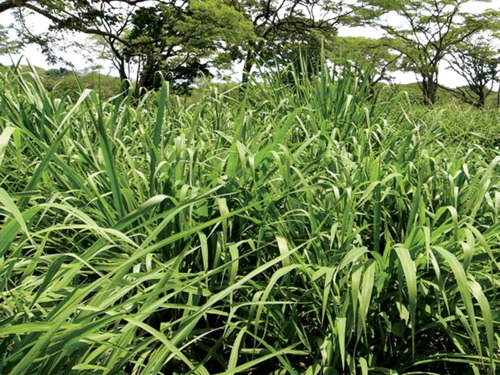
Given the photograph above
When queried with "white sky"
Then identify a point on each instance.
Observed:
(80, 62)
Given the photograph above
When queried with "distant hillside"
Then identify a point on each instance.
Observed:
(63, 82)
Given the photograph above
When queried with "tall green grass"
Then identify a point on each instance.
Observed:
(296, 228)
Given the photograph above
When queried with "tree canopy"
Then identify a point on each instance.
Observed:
(427, 33)
(183, 39)
(477, 60)
(284, 27)
(369, 57)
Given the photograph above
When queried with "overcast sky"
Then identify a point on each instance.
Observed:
(80, 62)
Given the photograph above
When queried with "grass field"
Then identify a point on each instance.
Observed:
(304, 228)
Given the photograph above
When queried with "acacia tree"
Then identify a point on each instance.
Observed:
(181, 38)
(289, 23)
(478, 62)
(302, 50)
(147, 32)
(371, 58)
(427, 33)
(132, 34)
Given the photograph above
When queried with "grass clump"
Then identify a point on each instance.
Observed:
(303, 227)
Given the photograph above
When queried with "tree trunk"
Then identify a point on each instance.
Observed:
(146, 79)
(429, 89)
(253, 51)
(125, 81)
(247, 66)
(498, 95)
(122, 71)
(481, 98)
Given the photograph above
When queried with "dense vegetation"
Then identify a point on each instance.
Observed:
(296, 226)
(62, 83)
(187, 39)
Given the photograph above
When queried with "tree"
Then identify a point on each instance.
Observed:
(478, 62)
(296, 53)
(180, 38)
(130, 32)
(428, 31)
(288, 23)
(371, 58)
(184, 40)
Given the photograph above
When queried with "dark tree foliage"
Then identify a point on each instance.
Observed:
(284, 27)
(183, 40)
(58, 73)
